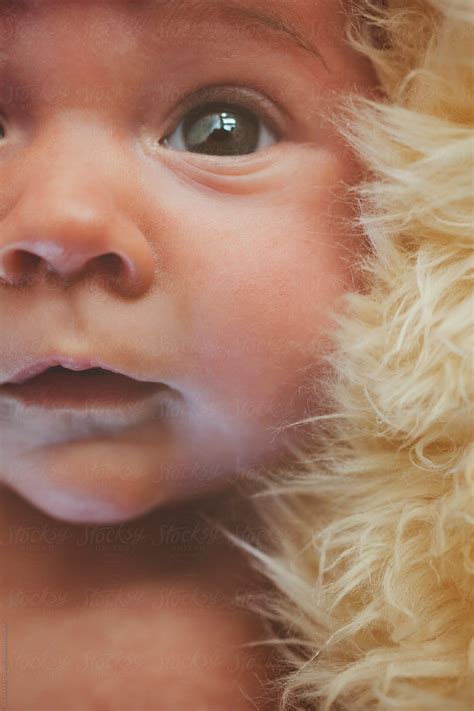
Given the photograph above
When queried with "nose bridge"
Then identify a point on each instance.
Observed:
(77, 157)
(70, 184)
(71, 206)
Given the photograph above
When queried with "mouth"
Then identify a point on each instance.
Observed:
(59, 387)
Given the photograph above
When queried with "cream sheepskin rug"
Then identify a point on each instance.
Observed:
(371, 541)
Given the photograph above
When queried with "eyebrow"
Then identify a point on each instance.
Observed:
(282, 23)
(276, 22)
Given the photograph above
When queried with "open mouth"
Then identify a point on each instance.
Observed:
(60, 387)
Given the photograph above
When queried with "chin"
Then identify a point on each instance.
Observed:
(79, 509)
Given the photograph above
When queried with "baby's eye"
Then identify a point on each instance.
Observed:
(220, 129)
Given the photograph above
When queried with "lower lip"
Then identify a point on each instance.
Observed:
(58, 388)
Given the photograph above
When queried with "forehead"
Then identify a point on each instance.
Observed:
(123, 25)
(287, 15)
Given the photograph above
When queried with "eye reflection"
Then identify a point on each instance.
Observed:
(220, 130)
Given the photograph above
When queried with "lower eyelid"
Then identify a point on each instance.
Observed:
(227, 167)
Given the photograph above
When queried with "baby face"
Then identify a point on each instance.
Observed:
(173, 240)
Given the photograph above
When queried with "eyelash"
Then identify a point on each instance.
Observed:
(266, 110)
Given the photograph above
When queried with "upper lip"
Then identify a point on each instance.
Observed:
(39, 365)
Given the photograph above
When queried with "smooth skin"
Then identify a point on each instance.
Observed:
(215, 275)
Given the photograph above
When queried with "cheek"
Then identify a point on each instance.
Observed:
(266, 275)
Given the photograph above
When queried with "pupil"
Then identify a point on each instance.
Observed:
(217, 130)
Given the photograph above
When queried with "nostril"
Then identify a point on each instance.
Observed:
(108, 268)
(109, 262)
(21, 264)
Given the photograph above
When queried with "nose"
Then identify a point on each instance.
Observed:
(70, 219)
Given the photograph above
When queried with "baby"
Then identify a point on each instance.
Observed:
(175, 234)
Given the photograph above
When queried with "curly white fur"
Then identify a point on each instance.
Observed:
(372, 555)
